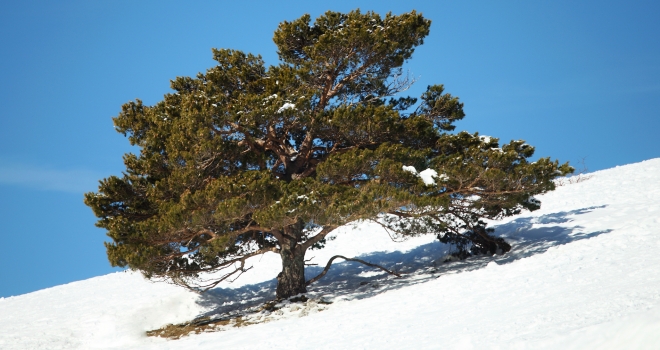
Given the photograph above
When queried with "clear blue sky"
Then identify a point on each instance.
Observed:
(574, 78)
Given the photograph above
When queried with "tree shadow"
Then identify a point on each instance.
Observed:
(351, 280)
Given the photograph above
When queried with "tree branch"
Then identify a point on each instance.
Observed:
(327, 267)
(240, 269)
(319, 236)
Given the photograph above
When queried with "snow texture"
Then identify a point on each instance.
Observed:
(428, 175)
(410, 169)
(286, 106)
(583, 274)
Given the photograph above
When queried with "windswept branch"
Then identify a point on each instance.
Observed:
(327, 268)
(240, 269)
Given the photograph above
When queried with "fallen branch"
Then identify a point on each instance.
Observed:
(327, 267)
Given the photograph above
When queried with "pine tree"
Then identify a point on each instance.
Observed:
(246, 159)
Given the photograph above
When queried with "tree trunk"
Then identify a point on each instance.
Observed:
(291, 280)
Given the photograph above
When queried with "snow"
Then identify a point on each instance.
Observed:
(286, 106)
(583, 274)
(410, 169)
(428, 175)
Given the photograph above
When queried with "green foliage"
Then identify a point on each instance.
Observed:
(244, 158)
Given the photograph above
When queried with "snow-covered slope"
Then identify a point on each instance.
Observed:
(584, 273)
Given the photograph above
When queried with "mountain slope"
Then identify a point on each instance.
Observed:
(584, 273)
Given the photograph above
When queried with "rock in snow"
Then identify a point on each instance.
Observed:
(584, 273)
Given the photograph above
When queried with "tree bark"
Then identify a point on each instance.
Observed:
(291, 280)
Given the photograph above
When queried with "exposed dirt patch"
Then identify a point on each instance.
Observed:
(299, 306)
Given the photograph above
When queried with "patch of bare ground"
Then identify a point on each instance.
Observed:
(297, 306)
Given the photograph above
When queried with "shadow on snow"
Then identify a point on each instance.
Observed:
(350, 280)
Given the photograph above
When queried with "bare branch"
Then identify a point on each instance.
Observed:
(327, 268)
(238, 270)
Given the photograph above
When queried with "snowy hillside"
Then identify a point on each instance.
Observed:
(584, 272)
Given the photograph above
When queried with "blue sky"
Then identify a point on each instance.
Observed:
(578, 80)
